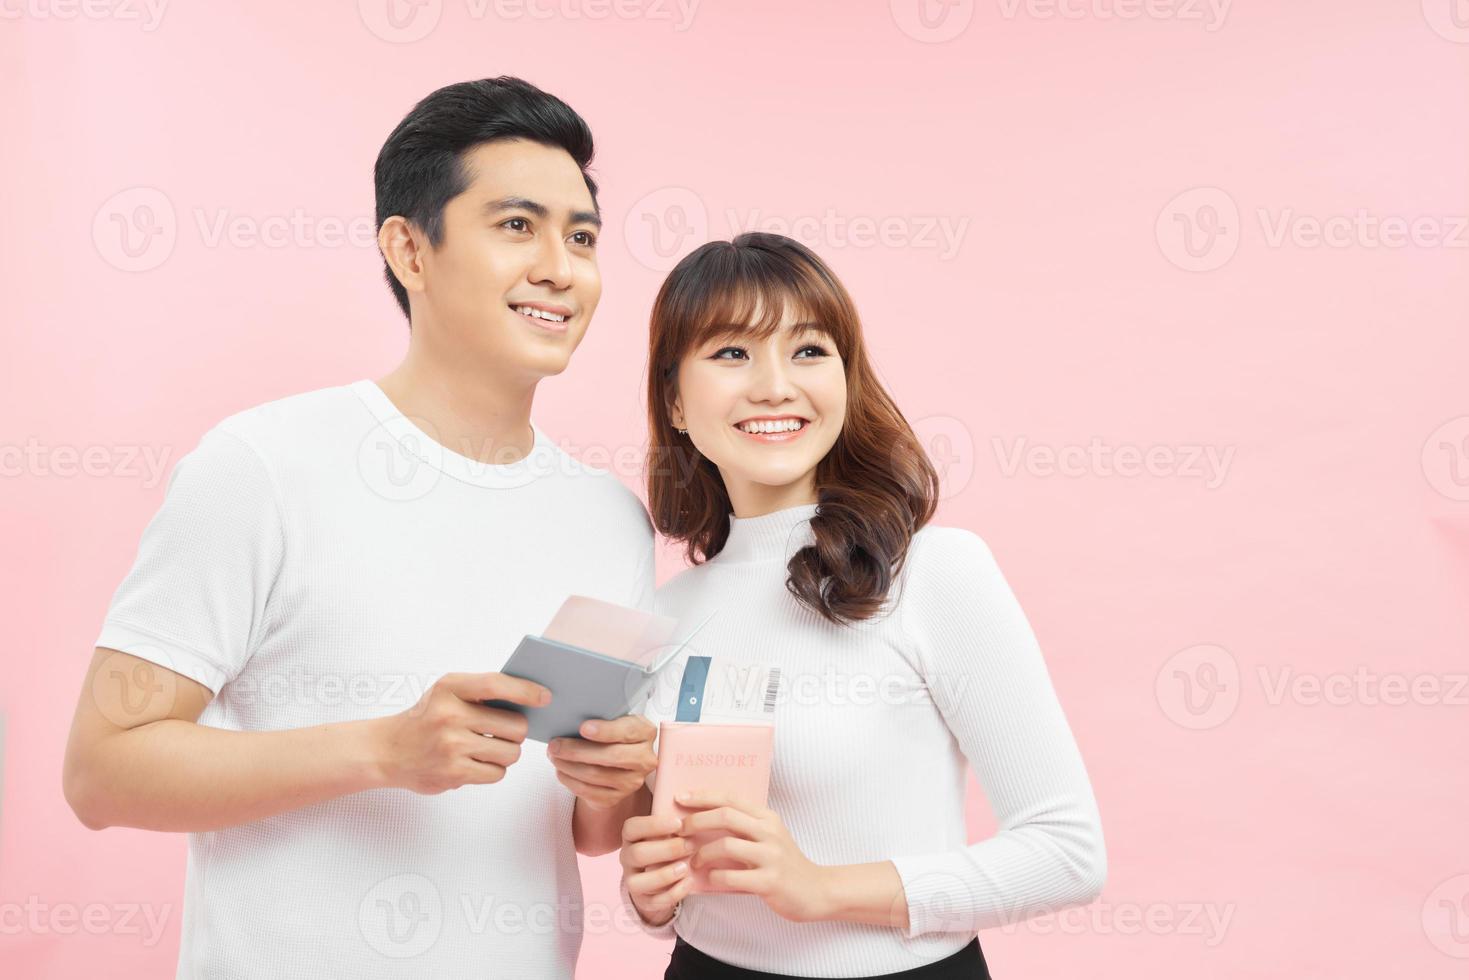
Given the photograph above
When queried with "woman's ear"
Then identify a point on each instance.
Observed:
(675, 412)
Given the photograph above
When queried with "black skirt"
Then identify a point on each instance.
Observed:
(688, 963)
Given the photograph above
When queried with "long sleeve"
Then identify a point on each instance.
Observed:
(966, 625)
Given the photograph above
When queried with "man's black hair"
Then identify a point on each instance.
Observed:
(420, 168)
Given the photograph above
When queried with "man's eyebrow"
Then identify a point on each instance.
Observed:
(538, 209)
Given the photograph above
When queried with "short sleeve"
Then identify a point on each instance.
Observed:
(195, 599)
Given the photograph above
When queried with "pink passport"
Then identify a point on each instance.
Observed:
(697, 756)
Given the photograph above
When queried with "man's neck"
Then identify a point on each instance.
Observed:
(466, 410)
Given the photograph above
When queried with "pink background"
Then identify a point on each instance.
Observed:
(1253, 831)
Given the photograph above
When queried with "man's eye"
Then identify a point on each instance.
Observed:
(585, 238)
(516, 224)
(719, 354)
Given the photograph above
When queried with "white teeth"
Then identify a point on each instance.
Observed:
(783, 425)
(540, 314)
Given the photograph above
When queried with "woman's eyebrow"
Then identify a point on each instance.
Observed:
(492, 208)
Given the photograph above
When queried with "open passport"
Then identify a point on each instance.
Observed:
(599, 660)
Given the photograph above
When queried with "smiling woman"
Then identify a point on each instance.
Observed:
(759, 370)
(807, 514)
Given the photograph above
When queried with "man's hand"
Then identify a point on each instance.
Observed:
(609, 763)
(441, 742)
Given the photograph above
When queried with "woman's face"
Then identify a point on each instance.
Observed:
(764, 411)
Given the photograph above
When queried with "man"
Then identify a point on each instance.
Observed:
(293, 670)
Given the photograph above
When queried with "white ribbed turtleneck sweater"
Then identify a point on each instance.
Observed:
(875, 727)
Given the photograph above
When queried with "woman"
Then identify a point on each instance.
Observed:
(803, 498)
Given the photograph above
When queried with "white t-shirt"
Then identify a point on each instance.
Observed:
(320, 558)
(876, 726)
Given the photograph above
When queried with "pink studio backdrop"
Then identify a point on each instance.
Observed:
(1176, 293)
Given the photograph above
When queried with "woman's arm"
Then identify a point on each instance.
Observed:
(964, 620)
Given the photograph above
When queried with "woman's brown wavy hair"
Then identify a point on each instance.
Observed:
(875, 488)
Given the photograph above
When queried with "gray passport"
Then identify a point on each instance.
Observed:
(584, 684)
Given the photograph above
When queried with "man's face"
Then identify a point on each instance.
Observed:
(514, 280)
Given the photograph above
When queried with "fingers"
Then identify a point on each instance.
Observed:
(663, 901)
(654, 881)
(707, 799)
(499, 722)
(728, 818)
(620, 755)
(628, 728)
(736, 848)
(476, 773)
(496, 686)
(623, 780)
(651, 853)
(494, 751)
(647, 827)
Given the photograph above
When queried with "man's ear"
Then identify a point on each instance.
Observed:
(402, 248)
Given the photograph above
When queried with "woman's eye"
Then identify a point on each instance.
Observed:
(818, 350)
(719, 354)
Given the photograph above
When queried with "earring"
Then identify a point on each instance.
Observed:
(682, 432)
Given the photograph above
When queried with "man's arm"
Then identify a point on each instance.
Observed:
(137, 756)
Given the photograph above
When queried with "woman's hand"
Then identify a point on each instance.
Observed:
(792, 886)
(655, 866)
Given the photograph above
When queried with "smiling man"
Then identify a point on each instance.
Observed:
(293, 670)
